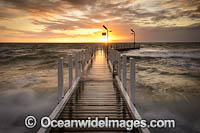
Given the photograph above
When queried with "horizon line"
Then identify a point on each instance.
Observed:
(114, 42)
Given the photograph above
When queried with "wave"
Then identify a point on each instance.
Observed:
(159, 53)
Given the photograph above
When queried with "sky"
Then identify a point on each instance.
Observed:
(82, 20)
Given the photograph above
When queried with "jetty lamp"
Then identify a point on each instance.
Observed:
(107, 38)
(133, 32)
(107, 32)
(104, 35)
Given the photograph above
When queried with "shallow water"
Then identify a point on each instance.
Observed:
(168, 82)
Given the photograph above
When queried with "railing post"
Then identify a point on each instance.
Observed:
(110, 56)
(60, 80)
(79, 64)
(76, 66)
(84, 59)
(70, 71)
(114, 56)
(132, 80)
(119, 65)
(86, 56)
(124, 70)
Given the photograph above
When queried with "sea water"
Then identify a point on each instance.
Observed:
(167, 82)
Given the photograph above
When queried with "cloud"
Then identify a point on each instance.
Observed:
(101, 9)
(35, 7)
(66, 15)
(81, 2)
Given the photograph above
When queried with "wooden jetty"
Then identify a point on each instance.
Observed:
(97, 90)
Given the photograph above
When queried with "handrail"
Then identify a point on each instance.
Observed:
(83, 60)
(113, 61)
(61, 105)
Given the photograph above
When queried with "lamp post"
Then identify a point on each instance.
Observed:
(133, 32)
(107, 39)
(106, 31)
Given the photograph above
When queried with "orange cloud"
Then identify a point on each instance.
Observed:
(82, 20)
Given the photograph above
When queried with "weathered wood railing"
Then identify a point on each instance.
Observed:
(118, 66)
(82, 62)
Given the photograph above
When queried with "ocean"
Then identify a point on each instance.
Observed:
(167, 82)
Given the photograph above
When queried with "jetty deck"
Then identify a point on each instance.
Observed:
(96, 93)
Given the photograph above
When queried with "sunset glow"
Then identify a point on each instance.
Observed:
(82, 20)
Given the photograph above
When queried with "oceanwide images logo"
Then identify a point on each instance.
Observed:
(129, 125)
(46, 122)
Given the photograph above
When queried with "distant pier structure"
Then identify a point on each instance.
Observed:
(124, 46)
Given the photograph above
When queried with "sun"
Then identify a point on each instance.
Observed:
(103, 39)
